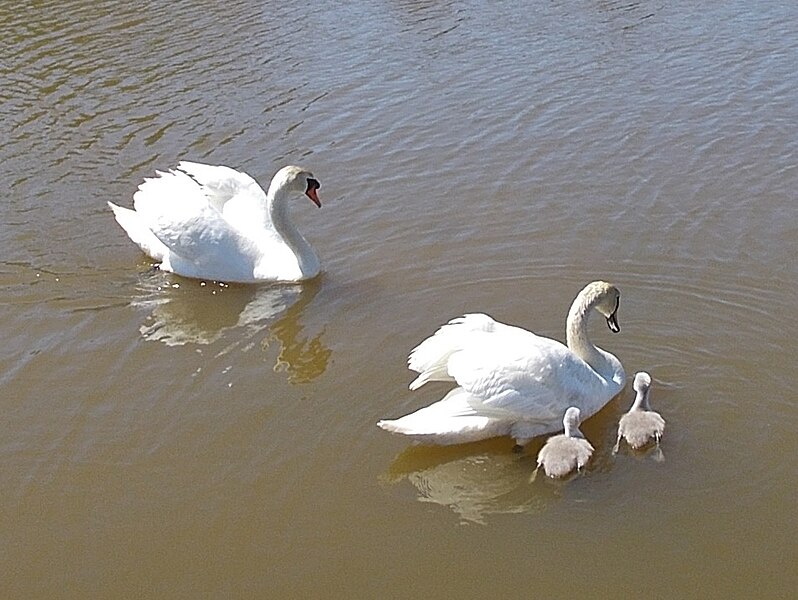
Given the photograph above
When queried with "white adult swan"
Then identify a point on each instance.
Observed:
(640, 424)
(563, 453)
(216, 223)
(511, 381)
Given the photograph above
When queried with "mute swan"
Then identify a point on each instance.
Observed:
(511, 381)
(563, 453)
(213, 222)
(641, 423)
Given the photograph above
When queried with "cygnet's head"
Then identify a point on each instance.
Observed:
(641, 385)
(607, 298)
(642, 382)
(296, 179)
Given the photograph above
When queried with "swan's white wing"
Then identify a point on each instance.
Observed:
(430, 358)
(200, 240)
(242, 203)
(453, 336)
(220, 184)
(530, 376)
(138, 231)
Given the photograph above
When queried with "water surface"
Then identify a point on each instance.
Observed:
(167, 438)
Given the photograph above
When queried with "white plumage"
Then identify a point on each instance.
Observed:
(509, 380)
(216, 223)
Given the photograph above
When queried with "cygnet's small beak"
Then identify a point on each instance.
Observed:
(313, 185)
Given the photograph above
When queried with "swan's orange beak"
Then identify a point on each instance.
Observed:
(313, 185)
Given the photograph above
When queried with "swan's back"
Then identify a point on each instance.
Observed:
(201, 242)
(530, 375)
(431, 357)
(237, 197)
(219, 183)
(168, 195)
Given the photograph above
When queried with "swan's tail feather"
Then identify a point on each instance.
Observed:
(138, 231)
(452, 420)
(431, 357)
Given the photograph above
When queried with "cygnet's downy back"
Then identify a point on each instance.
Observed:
(567, 451)
(641, 424)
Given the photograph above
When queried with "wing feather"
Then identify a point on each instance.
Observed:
(219, 184)
(515, 374)
(431, 357)
(175, 208)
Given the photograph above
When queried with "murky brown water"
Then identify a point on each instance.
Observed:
(161, 438)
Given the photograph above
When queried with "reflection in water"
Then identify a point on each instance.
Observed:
(649, 452)
(190, 312)
(474, 480)
(302, 358)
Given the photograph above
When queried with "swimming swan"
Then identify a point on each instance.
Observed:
(511, 381)
(563, 453)
(216, 223)
(641, 423)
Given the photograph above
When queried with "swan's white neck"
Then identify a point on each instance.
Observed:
(277, 199)
(577, 338)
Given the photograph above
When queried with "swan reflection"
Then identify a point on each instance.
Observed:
(473, 480)
(188, 312)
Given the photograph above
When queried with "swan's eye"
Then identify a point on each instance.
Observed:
(313, 184)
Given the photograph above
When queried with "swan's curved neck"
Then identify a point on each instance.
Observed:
(278, 214)
(577, 338)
